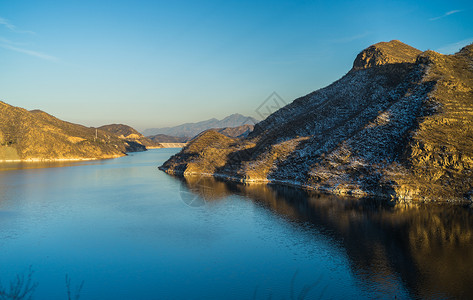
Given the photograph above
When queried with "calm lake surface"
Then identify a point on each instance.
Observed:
(130, 231)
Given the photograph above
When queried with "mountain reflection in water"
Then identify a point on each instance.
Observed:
(428, 246)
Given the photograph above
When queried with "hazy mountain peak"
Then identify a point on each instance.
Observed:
(193, 129)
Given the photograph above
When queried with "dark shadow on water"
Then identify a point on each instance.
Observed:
(429, 247)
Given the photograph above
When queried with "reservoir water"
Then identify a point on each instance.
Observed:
(129, 231)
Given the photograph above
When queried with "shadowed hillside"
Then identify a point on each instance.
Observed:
(128, 133)
(397, 125)
(36, 135)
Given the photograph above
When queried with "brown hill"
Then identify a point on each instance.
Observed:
(398, 125)
(36, 135)
(128, 133)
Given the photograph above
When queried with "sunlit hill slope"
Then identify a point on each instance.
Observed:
(398, 125)
(36, 135)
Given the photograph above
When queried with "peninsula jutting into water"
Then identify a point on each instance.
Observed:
(236, 150)
(398, 125)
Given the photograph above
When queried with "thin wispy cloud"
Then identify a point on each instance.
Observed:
(29, 52)
(12, 27)
(454, 47)
(446, 14)
(9, 42)
(18, 47)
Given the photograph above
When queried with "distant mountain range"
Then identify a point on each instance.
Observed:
(193, 129)
(398, 125)
(36, 135)
(163, 138)
(128, 133)
(235, 132)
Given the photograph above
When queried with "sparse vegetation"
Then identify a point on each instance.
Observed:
(20, 288)
(73, 295)
(26, 135)
(398, 125)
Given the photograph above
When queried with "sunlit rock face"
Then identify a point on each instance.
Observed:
(397, 125)
(385, 53)
(35, 135)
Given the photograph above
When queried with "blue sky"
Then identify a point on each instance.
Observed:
(160, 63)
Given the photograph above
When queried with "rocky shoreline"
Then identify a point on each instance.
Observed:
(398, 126)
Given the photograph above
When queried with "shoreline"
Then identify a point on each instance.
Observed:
(39, 160)
(327, 190)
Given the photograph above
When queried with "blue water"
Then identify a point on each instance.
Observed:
(130, 231)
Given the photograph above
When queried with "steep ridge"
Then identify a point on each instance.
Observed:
(36, 135)
(397, 125)
(129, 134)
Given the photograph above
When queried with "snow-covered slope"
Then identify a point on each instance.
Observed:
(398, 125)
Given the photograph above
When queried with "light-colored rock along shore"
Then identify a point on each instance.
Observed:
(346, 192)
(399, 126)
(34, 160)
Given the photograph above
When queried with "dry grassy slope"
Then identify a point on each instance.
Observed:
(130, 134)
(396, 125)
(440, 152)
(37, 135)
(205, 154)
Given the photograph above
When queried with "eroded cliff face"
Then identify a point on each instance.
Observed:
(35, 135)
(398, 125)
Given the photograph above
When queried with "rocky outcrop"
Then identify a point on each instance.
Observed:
(385, 53)
(398, 125)
(130, 135)
(35, 135)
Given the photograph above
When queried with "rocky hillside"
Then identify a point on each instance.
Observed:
(36, 135)
(398, 125)
(129, 134)
(193, 129)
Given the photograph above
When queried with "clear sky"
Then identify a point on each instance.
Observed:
(159, 63)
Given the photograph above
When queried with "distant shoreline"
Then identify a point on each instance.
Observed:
(36, 160)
